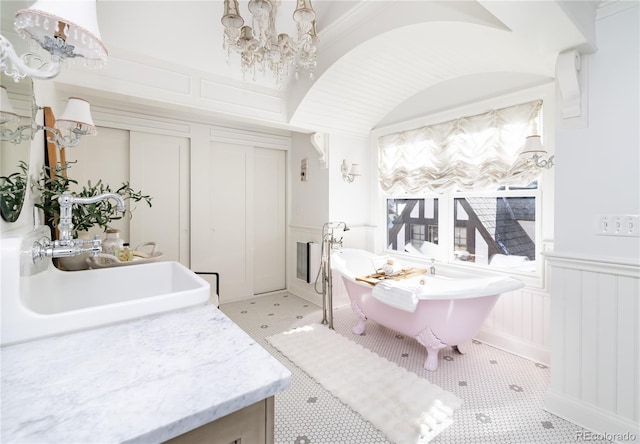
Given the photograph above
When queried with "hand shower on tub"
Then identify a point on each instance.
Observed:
(329, 242)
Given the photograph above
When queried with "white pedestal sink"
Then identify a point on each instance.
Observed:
(38, 300)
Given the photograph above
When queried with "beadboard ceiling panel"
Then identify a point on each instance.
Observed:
(374, 78)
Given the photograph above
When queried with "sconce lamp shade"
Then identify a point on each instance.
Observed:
(355, 170)
(534, 153)
(7, 114)
(533, 145)
(349, 174)
(77, 117)
(73, 21)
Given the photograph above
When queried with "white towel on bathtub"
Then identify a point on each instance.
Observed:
(403, 294)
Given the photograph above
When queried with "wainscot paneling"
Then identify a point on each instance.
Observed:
(356, 237)
(519, 324)
(297, 286)
(595, 313)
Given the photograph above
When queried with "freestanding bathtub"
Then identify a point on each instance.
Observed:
(449, 312)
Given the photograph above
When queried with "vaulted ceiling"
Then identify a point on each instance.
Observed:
(378, 61)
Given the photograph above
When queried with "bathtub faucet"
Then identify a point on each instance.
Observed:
(66, 245)
(329, 241)
(328, 230)
(432, 269)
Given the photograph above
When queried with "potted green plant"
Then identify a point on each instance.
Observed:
(12, 192)
(53, 182)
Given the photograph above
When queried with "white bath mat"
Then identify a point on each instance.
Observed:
(406, 408)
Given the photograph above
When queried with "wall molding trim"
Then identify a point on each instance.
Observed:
(607, 265)
(246, 137)
(133, 121)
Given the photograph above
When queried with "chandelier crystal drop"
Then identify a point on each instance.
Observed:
(261, 47)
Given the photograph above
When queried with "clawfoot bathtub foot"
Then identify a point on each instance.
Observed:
(463, 347)
(362, 319)
(433, 346)
(431, 363)
(359, 329)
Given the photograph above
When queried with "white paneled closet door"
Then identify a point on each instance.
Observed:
(160, 167)
(228, 250)
(269, 220)
(157, 165)
(243, 236)
(104, 157)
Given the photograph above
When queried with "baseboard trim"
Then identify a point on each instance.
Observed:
(598, 421)
(515, 346)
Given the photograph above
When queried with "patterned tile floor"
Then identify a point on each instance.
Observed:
(502, 393)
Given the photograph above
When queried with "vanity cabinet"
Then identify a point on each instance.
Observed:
(252, 424)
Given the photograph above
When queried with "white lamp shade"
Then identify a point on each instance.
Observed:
(7, 114)
(42, 18)
(533, 145)
(77, 115)
(355, 170)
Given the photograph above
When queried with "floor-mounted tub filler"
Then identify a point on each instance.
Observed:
(436, 309)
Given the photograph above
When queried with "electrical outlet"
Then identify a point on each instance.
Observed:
(630, 224)
(602, 226)
(618, 225)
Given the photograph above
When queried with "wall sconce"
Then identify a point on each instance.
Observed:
(534, 153)
(349, 174)
(64, 29)
(74, 123)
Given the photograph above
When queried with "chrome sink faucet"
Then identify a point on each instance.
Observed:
(67, 246)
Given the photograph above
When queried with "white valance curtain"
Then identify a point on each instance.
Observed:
(474, 152)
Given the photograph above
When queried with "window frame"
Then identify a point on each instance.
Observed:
(497, 194)
(544, 193)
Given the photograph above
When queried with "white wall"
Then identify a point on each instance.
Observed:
(327, 197)
(349, 201)
(595, 311)
(310, 199)
(597, 166)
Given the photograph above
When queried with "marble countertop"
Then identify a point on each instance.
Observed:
(142, 381)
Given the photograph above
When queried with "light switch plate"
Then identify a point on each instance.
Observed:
(618, 225)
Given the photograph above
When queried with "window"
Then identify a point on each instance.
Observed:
(484, 215)
(412, 225)
(496, 229)
(417, 233)
(460, 237)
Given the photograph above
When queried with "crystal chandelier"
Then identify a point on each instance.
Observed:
(261, 47)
